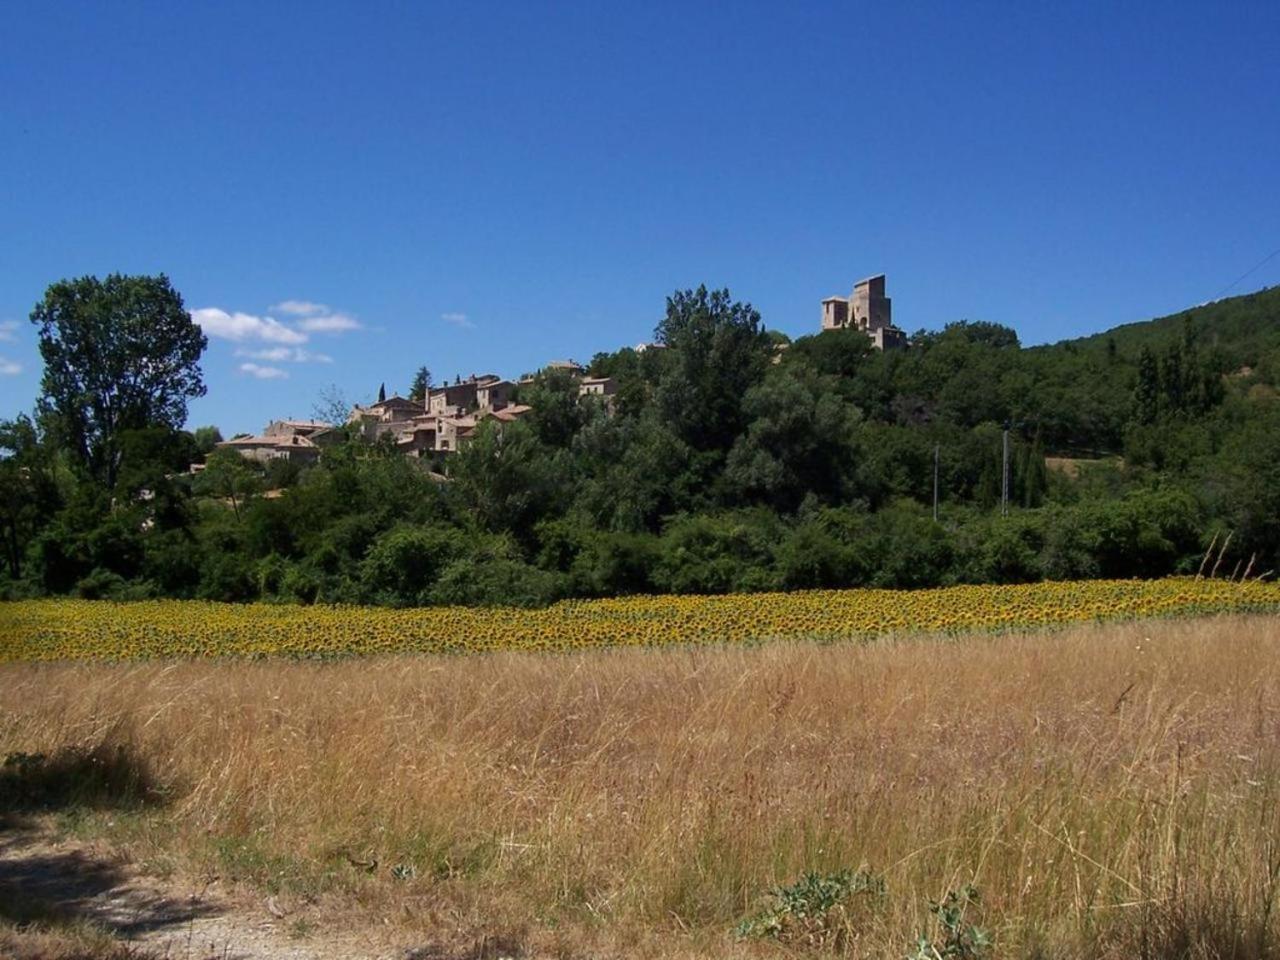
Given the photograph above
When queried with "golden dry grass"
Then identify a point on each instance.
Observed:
(1112, 790)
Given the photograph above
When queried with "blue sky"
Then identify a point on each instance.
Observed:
(351, 190)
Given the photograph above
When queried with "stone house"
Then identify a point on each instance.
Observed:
(494, 394)
(455, 409)
(296, 440)
(453, 399)
(572, 366)
(295, 428)
(441, 423)
(597, 387)
(417, 437)
(452, 432)
(507, 414)
(386, 416)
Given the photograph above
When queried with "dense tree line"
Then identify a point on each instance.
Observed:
(729, 460)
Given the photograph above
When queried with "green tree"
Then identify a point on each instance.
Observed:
(719, 553)
(28, 488)
(837, 353)
(1173, 379)
(558, 413)
(1146, 395)
(228, 476)
(505, 478)
(1251, 464)
(421, 385)
(719, 351)
(206, 439)
(632, 472)
(799, 440)
(404, 563)
(120, 354)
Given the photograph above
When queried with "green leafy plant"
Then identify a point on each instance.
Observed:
(815, 909)
(955, 939)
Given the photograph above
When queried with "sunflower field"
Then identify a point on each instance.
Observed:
(99, 630)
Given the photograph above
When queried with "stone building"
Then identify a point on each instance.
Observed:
(866, 309)
(386, 416)
(597, 387)
(297, 440)
(572, 366)
(455, 409)
(440, 423)
(494, 394)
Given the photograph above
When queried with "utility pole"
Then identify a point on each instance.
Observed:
(936, 447)
(1004, 477)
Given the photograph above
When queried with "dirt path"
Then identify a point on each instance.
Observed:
(72, 882)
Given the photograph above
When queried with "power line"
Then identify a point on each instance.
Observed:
(1257, 266)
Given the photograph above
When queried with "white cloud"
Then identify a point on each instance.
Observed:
(9, 368)
(263, 373)
(329, 323)
(8, 331)
(300, 308)
(458, 320)
(245, 326)
(285, 355)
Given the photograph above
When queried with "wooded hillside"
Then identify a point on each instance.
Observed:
(731, 460)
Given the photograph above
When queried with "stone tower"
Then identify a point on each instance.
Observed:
(871, 308)
(866, 309)
(835, 313)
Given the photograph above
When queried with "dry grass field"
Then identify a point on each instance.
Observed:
(1110, 791)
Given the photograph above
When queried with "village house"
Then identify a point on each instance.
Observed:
(405, 421)
(417, 437)
(455, 399)
(450, 414)
(570, 365)
(494, 394)
(597, 387)
(385, 416)
(458, 408)
(296, 440)
(866, 309)
(440, 423)
(445, 419)
(602, 388)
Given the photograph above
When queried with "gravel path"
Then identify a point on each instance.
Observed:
(79, 882)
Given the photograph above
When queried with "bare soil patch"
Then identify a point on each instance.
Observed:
(69, 899)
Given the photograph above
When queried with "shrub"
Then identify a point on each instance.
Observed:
(483, 581)
(811, 557)
(101, 585)
(815, 910)
(718, 554)
(225, 576)
(404, 563)
(613, 564)
(955, 939)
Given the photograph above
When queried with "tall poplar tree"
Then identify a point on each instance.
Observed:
(119, 354)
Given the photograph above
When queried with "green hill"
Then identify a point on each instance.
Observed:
(1245, 329)
(722, 463)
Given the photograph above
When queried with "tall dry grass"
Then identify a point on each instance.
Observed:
(1112, 791)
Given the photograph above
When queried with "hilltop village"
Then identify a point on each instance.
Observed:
(444, 420)
(447, 417)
